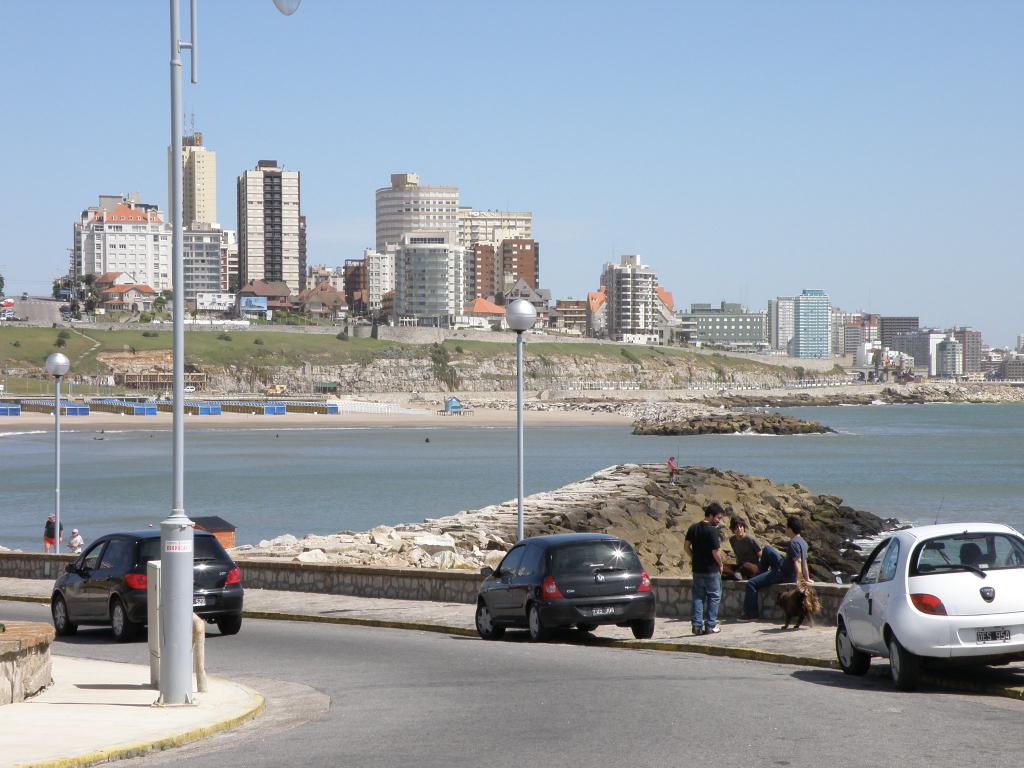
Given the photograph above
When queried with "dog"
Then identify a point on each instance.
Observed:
(799, 603)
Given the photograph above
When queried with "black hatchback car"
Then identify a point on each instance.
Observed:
(581, 579)
(107, 585)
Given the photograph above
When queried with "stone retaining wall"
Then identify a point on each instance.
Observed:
(674, 594)
(25, 667)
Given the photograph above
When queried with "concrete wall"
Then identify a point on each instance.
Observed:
(25, 664)
(674, 595)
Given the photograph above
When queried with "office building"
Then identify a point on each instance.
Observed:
(728, 325)
(430, 279)
(406, 206)
(199, 181)
(631, 295)
(812, 335)
(271, 228)
(888, 327)
(201, 246)
(122, 234)
(781, 323)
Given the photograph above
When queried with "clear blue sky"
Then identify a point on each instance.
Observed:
(744, 149)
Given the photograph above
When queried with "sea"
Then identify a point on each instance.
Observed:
(917, 463)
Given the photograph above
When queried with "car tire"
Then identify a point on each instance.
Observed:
(904, 666)
(583, 627)
(62, 625)
(851, 661)
(485, 625)
(538, 632)
(643, 629)
(124, 629)
(229, 625)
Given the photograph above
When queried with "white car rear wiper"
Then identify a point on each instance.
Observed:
(961, 567)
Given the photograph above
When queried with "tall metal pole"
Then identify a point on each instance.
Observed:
(519, 432)
(56, 465)
(176, 532)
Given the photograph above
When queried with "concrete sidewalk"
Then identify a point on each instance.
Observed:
(97, 711)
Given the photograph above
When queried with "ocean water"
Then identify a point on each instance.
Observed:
(918, 463)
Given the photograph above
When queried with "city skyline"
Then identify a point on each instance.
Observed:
(744, 152)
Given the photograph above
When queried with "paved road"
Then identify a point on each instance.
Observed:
(401, 698)
(43, 312)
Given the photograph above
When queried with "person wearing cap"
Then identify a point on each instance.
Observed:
(50, 533)
(76, 542)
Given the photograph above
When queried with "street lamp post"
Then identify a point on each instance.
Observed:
(177, 535)
(520, 315)
(57, 365)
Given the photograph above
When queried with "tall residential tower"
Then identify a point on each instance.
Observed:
(271, 227)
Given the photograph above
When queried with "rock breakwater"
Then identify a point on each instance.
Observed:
(635, 502)
(714, 423)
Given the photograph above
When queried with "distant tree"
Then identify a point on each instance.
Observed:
(58, 286)
(89, 279)
(233, 284)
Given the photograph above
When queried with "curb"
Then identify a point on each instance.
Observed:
(139, 749)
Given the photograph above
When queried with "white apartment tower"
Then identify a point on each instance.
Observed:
(405, 206)
(380, 276)
(430, 278)
(199, 181)
(493, 226)
(632, 296)
(271, 228)
(122, 234)
(781, 322)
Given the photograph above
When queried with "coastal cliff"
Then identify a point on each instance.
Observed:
(635, 502)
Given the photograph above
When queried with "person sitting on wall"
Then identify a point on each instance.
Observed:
(747, 550)
(776, 569)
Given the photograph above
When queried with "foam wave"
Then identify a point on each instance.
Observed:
(27, 432)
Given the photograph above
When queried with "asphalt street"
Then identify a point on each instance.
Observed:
(367, 697)
(38, 311)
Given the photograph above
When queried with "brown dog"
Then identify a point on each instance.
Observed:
(799, 603)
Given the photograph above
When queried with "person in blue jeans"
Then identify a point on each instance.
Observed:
(776, 569)
(703, 545)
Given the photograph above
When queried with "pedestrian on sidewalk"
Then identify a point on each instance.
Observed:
(50, 534)
(672, 469)
(76, 542)
(703, 545)
(777, 569)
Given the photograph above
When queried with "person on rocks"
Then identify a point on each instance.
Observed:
(50, 534)
(76, 542)
(776, 569)
(672, 469)
(703, 545)
(746, 549)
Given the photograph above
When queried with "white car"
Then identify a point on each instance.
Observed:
(950, 592)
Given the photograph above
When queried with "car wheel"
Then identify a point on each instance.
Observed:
(851, 661)
(62, 625)
(229, 625)
(538, 632)
(904, 666)
(586, 627)
(485, 625)
(124, 629)
(643, 629)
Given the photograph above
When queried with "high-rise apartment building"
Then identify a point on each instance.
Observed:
(888, 327)
(271, 227)
(812, 335)
(492, 226)
(484, 275)
(1020, 343)
(122, 234)
(632, 293)
(380, 277)
(781, 323)
(971, 344)
(921, 345)
(520, 259)
(229, 261)
(430, 278)
(405, 206)
(949, 357)
(199, 181)
(201, 258)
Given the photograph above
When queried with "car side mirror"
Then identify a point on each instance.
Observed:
(69, 568)
(486, 571)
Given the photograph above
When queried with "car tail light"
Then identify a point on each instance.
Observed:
(234, 577)
(136, 580)
(930, 604)
(645, 582)
(550, 590)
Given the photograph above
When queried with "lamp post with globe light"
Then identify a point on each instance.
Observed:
(177, 536)
(57, 365)
(520, 316)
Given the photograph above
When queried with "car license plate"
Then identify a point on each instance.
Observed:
(606, 610)
(198, 601)
(994, 635)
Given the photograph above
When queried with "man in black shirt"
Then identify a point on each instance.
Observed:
(703, 545)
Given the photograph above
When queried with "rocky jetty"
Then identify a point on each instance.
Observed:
(721, 423)
(635, 502)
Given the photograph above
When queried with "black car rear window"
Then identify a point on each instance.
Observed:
(588, 556)
(206, 548)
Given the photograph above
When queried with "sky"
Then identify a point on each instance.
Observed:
(745, 150)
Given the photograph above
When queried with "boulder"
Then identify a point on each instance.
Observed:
(312, 556)
(432, 544)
